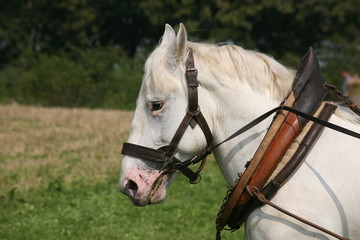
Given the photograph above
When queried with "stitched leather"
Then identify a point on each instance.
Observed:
(308, 94)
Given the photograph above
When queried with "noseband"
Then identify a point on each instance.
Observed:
(193, 117)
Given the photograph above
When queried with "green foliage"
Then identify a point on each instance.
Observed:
(44, 34)
(91, 78)
(44, 26)
(98, 211)
(283, 29)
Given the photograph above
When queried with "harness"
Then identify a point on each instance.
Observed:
(291, 117)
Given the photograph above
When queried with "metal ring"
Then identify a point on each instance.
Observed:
(196, 180)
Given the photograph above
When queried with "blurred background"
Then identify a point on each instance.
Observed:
(64, 64)
(87, 53)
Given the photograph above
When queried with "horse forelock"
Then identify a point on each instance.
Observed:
(159, 77)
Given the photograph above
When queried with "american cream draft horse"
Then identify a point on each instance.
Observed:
(235, 87)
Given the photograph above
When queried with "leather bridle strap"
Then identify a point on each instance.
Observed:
(149, 154)
(193, 107)
(193, 117)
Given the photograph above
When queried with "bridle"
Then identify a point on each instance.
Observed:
(193, 117)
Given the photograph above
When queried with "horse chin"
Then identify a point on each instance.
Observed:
(158, 197)
(155, 197)
(144, 202)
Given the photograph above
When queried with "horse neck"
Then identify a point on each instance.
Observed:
(235, 103)
(233, 113)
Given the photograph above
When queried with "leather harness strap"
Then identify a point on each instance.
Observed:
(261, 198)
(345, 99)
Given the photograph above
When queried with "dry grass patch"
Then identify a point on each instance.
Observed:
(40, 145)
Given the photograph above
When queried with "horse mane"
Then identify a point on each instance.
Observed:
(262, 72)
(227, 63)
(345, 113)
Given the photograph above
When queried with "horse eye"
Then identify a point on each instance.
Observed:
(156, 106)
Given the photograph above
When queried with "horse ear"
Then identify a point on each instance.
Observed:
(169, 36)
(181, 40)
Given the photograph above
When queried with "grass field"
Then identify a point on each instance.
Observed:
(58, 180)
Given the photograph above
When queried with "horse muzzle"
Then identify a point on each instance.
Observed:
(144, 186)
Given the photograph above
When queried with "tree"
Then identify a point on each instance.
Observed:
(282, 28)
(44, 26)
(123, 24)
(34, 32)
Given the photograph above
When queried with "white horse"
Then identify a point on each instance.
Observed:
(235, 87)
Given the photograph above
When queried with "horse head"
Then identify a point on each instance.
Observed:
(161, 106)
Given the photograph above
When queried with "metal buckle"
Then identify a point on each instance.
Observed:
(191, 69)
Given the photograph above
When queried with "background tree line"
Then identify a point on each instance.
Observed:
(90, 53)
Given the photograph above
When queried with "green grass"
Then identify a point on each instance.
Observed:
(58, 180)
(98, 211)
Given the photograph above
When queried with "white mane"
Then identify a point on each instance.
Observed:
(345, 113)
(226, 63)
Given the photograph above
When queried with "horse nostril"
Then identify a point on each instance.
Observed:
(132, 186)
